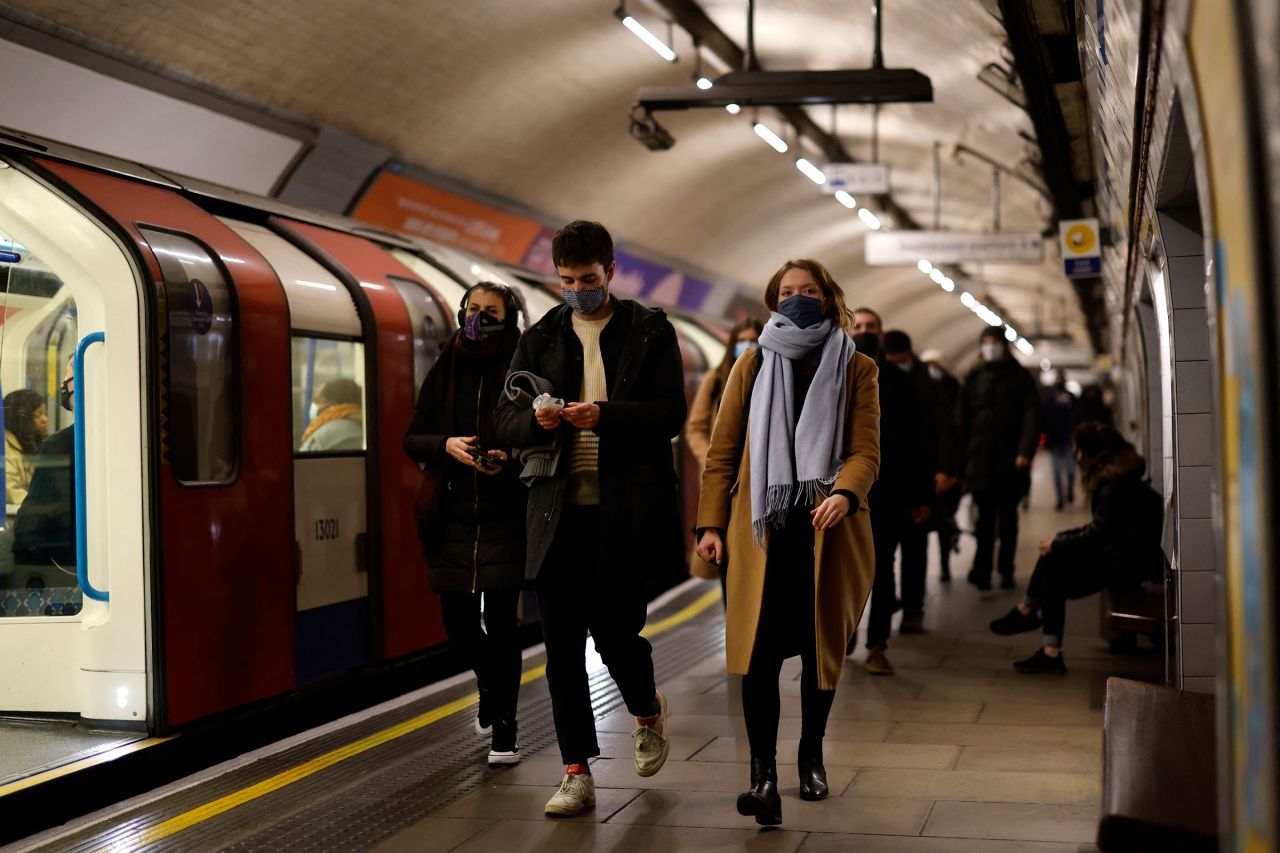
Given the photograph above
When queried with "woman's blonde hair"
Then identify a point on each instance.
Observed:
(837, 310)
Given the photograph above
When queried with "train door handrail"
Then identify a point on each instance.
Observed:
(82, 503)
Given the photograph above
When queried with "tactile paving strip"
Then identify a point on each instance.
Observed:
(369, 797)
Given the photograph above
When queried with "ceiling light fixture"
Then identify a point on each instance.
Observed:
(656, 44)
(936, 275)
(869, 219)
(1025, 346)
(846, 199)
(775, 142)
(1010, 334)
(704, 83)
(733, 109)
(924, 266)
(811, 171)
(947, 284)
(967, 300)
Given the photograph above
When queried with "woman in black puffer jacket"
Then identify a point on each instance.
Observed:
(471, 513)
(1120, 546)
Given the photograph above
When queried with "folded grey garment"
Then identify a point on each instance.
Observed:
(540, 460)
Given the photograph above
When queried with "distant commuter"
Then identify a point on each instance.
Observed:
(903, 494)
(473, 528)
(26, 426)
(1000, 423)
(1120, 546)
(44, 529)
(336, 419)
(947, 488)
(1092, 406)
(794, 452)
(1060, 412)
(604, 518)
(940, 436)
(706, 404)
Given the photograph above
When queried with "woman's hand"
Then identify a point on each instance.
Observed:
(829, 512)
(711, 547)
(457, 447)
(1046, 545)
(492, 468)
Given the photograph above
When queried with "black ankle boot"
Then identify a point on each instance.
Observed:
(813, 775)
(762, 800)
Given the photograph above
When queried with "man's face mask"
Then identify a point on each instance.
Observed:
(935, 373)
(585, 301)
(904, 366)
(867, 343)
(66, 396)
(480, 326)
(742, 346)
(991, 351)
(804, 311)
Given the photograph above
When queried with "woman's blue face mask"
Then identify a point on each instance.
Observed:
(742, 346)
(804, 311)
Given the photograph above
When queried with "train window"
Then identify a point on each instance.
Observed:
(199, 415)
(429, 319)
(328, 396)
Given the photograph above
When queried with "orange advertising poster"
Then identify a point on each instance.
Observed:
(403, 204)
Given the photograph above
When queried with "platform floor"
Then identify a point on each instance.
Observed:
(956, 752)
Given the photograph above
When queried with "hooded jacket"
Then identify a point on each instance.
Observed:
(999, 421)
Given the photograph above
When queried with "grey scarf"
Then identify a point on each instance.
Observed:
(792, 459)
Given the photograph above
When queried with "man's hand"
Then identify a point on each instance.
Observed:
(547, 417)
(1021, 462)
(943, 483)
(1046, 545)
(582, 415)
(920, 515)
(491, 468)
(457, 447)
(829, 512)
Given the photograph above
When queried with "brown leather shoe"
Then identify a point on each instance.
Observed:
(877, 663)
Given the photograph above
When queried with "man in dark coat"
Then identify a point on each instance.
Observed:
(1000, 424)
(44, 530)
(902, 493)
(946, 482)
(1059, 420)
(607, 518)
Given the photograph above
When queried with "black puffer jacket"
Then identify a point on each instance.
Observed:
(1128, 520)
(999, 421)
(474, 531)
(906, 446)
(645, 410)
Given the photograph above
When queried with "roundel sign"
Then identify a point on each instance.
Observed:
(201, 307)
(1081, 248)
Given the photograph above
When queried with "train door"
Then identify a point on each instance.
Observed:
(330, 508)
(73, 581)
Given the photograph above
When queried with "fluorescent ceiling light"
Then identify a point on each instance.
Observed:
(1025, 346)
(846, 199)
(924, 266)
(476, 270)
(733, 109)
(967, 300)
(869, 218)
(1010, 334)
(704, 83)
(811, 171)
(994, 319)
(937, 276)
(775, 141)
(947, 284)
(659, 46)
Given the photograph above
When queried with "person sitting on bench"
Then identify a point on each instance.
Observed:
(1120, 546)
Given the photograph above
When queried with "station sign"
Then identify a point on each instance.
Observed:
(856, 178)
(1081, 248)
(895, 248)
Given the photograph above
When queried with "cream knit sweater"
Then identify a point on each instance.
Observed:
(584, 449)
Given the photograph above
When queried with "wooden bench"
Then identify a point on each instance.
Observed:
(1130, 611)
(1159, 789)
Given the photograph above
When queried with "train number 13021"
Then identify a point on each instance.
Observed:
(326, 529)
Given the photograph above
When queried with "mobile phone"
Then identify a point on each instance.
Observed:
(484, 458)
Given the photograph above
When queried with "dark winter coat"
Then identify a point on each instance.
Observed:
(44, 530)
(473, 532)
(1128, 520)
(999, 421)
(645, 410)
(946, 392)
(1060, 408)
(906, 446)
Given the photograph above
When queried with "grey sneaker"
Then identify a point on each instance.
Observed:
(652, 744)
(577, 792)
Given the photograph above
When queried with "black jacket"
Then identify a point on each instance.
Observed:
(1128, 520)
(473, 533)
(44, 530)
(946, 392)
(999, 421)
(906, 446)
(645, 411)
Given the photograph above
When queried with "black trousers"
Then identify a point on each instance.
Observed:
(1058, 579)
(996, 509)
(581, 589)
(888, 524)
(761, 704)
(943, 522)
(915, 566)
(492, 652)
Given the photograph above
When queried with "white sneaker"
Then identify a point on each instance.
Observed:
(482, 729)
(577, 792)
(652, 744)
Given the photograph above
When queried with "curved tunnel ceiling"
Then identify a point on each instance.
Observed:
(530, 101)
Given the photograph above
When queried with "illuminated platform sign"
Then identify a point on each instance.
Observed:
(893, 248)
(856, 178)
(1081, 248)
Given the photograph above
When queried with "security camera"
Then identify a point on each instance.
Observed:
(645, 128)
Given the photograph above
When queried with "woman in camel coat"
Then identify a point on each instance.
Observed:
(797, 544)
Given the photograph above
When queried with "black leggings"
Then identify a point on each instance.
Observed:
(761, 705)
(492, 652)
(1057, 579)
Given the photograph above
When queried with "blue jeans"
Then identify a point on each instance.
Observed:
(1064, 474)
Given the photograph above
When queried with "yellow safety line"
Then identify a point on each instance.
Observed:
(82, 764)
(190, 818)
